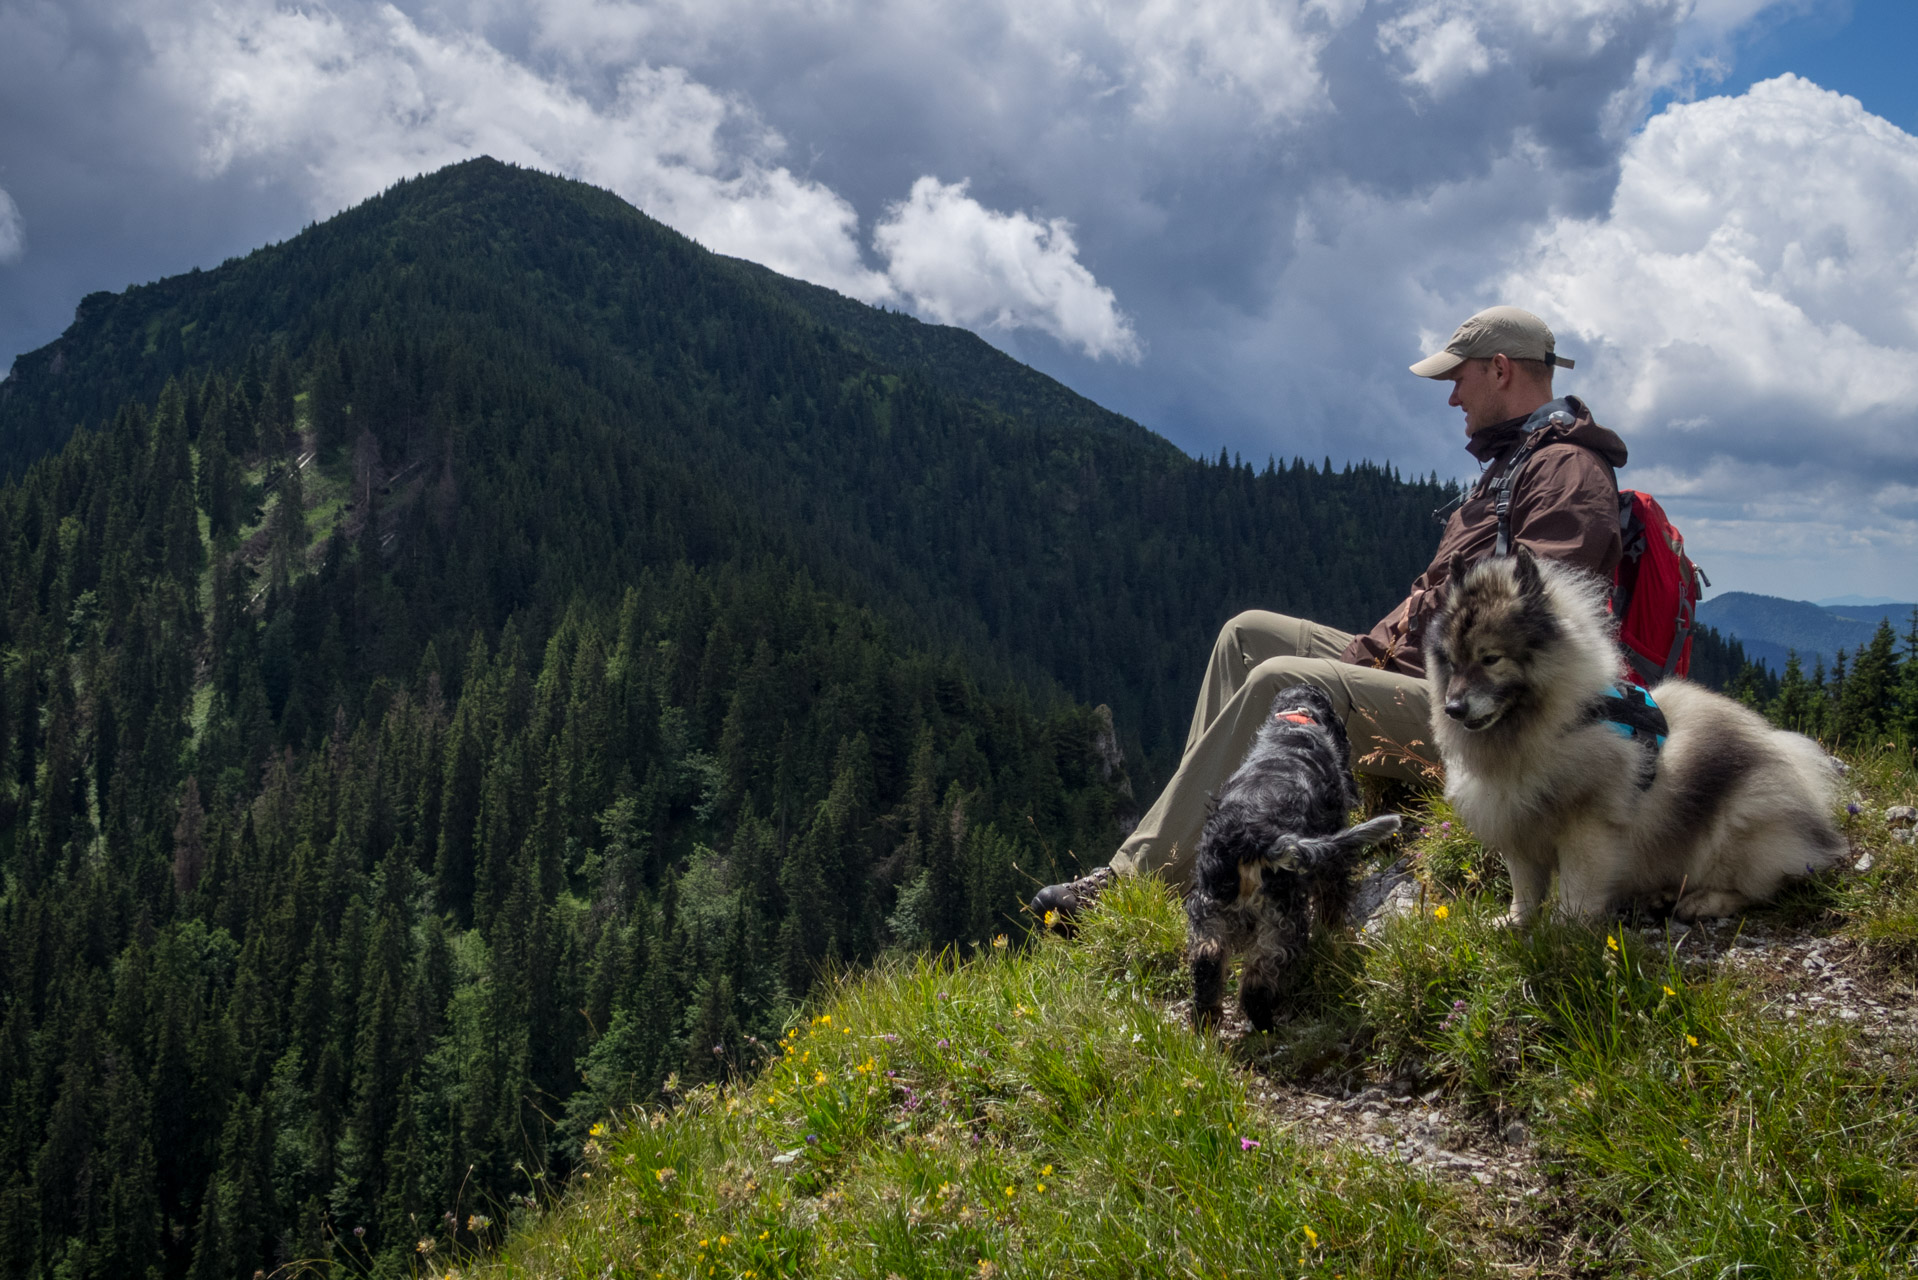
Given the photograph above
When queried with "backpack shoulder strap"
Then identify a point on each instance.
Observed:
(1502, 493)
(1508, 479)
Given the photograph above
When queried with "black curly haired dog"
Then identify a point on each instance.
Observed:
(1272, 854)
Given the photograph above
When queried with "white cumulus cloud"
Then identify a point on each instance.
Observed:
(1265, 52)
(962, 263)
(345, 102)
(13, 233)
(1749, 303)
(1161, 58)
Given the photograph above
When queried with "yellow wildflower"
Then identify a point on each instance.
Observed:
(1611, 942)
(819, 1077)
(1691, 1040)
(1670, 992)
(1046, 1172)
(1000, 942)
(1441, 911)
(1311, 1237)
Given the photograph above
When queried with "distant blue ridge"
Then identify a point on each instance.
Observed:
(1770, 627)
(1855, 602)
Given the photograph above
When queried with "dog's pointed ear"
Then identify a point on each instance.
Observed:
(1530, 581)
(1459, 567)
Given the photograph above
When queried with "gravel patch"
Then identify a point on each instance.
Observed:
(1418, 1129)
(1811, 978)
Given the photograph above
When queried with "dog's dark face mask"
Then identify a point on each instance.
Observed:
(1495, 621)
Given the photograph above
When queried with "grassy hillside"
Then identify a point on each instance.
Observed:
(1452, 1099)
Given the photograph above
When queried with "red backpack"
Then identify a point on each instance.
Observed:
(1654, 592)
(1654, 589)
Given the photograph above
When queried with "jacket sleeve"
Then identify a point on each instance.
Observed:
(1565, 508)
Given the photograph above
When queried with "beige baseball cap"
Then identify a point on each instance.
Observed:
(1517, 333)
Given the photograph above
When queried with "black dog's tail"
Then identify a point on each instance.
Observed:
(1313, 856)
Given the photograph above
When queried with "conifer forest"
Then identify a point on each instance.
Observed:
(481, 662)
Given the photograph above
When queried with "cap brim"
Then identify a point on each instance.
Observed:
(1438, 365)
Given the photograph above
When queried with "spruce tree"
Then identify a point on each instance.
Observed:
(1792, 709)
(1905, 701)
(326, 407)
(1832, 721)
(1865, 706)
(277, 428)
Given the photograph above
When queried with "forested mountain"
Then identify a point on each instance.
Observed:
(1030, 527)
(480, 661)
(1772, 628)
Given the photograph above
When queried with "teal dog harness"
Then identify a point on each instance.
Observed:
(1631, 712)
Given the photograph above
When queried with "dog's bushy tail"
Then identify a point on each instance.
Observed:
(1314, 856)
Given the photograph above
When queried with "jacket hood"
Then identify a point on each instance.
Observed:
(1496, 440)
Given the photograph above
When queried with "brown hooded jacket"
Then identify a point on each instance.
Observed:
(1564, 508)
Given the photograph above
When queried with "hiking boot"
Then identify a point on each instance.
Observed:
(1058, 904)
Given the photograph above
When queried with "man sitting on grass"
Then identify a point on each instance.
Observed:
(1563, 507)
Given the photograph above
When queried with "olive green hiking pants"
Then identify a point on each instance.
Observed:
(1256, 655)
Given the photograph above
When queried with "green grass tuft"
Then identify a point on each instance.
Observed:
(1135, 934)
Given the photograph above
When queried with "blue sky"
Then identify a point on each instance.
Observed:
(1237, 221)
(1866, 48)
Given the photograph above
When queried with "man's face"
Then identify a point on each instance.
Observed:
(1476, 388)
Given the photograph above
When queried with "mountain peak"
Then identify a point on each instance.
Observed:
(486, 244)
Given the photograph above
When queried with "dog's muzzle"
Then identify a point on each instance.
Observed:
(1471, 712)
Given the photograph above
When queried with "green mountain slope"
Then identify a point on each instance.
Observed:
(956, 360)
(486, 656)
(966, 497)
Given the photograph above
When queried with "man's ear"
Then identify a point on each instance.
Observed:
(1501, 368)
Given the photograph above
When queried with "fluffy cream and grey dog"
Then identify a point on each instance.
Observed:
(1559, 769)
